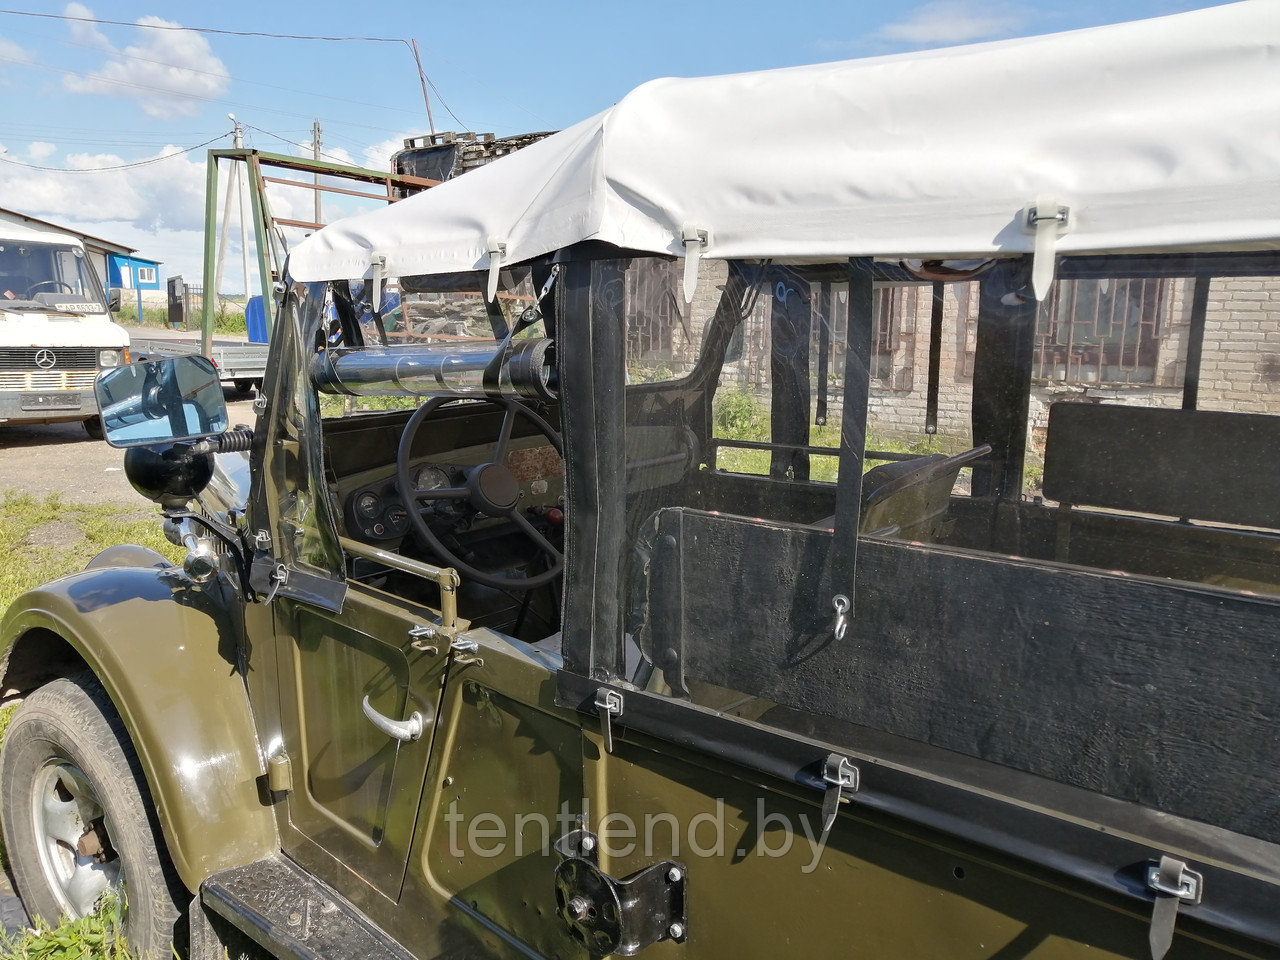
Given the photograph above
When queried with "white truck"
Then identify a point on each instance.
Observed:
(55, 331)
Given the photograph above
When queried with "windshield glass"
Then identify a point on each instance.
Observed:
(429, 335)
(37, 275)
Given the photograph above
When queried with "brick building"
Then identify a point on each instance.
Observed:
(1123, 341)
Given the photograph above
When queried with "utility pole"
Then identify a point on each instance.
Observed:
(244, 224)
(315, 152)
(233, 182)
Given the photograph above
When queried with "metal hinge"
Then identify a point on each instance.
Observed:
(1173, 885)
(279, 773)
(841, 778)
(608, 705)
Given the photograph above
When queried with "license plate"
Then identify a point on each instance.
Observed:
(51, 401)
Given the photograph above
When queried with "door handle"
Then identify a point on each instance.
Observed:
(404, 730)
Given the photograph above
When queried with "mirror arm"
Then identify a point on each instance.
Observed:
(223, 532)
(233, 441)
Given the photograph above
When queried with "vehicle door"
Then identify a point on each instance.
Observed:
(358, 684)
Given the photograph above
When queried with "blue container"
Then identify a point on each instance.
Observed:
(255, 318)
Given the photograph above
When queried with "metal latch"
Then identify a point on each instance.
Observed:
(1173, 885)
(278, 577)
(463, 652)
(420, 636)
(618, 917)
(608, 705)
(841, 777)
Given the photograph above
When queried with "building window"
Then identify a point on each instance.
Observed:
(146, 274)
(1104, 331)
(893, 347)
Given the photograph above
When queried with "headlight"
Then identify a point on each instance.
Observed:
(110, 358)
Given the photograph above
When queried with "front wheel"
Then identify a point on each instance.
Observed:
(79, 822)
(93, 427)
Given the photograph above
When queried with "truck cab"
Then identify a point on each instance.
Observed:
(678, 567)
(55, 332)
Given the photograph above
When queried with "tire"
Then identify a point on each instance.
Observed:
(67, 760)
(244, 385)
(93, 427)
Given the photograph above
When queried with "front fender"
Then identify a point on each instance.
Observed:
(166, 649)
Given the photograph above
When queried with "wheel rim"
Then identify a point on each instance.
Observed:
(69, 824)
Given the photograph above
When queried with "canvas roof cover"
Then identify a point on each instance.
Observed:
(1156, 134)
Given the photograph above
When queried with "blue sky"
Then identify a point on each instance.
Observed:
(82, 95)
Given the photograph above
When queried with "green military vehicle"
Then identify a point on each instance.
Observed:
(783, 515)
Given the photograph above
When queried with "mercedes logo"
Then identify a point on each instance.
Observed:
(45, 359)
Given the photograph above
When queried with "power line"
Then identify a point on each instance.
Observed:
(179, 94)
(118, 166)
(292, 143)
(235, 33)
(117, 54)
(228, 33)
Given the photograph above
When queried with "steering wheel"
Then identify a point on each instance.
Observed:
(490, 488)
(48, 283)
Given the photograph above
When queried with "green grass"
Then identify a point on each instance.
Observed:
(739, 415)
(90, 530)
(25, 521)
(96, 936)
(225, 321)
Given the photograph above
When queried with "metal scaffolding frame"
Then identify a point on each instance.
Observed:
(267, 240)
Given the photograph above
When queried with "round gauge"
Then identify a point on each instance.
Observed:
(398, 517)
(368, 505)
(431, 478)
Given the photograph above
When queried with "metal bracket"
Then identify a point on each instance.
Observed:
(619, 917)
(262, 540)
(841, 777)
(609, 705)
(1173, 885)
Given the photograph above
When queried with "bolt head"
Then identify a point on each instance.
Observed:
(675, 874)
(676, 930)
(579, 907)
(588, 844)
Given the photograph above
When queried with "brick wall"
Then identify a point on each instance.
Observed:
(1240, 369)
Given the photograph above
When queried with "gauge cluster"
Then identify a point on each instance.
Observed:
(377, 512)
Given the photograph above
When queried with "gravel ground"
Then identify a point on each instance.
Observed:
(60, 457)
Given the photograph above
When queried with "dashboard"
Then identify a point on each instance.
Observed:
(375, 512)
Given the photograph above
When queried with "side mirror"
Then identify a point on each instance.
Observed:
(161, 401)
(113, 300)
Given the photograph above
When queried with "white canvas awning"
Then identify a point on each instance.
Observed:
(1157, 134)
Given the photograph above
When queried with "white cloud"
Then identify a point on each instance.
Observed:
(164, 195)
(39, 150)
(12, 51)
(85, 33)
(942, 22)
(171, 73)
(377, 156)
